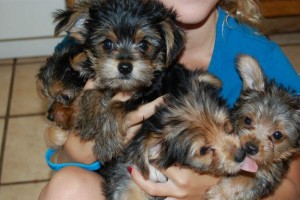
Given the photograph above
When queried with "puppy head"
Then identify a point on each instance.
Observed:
(59, 82)
(194, 130)
(266, 116)
(129, 39)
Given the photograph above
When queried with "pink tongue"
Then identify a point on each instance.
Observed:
(249, 165)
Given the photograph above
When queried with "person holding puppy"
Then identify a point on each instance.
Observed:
(217, 31)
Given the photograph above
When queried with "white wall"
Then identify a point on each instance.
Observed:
(26, 27)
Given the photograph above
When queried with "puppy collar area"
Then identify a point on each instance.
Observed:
(57, 166)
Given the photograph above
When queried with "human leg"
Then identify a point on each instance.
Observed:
(73, 183)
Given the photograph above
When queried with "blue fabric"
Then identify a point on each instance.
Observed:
(67, 40)
(233, 39)
(57, 166)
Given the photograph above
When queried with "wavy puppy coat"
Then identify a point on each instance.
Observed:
(192, 130)
(267, 119)
(131, 43)
(59, 82)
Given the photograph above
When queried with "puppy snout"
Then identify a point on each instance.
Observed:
(125, 67)
(251, 148)
(240, 155)
(50, 117)
(50, 114)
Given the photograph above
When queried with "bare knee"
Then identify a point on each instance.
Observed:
(73, 183)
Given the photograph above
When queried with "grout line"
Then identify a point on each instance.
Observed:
(7, 116)
(24, 182)
(27, 115)
(30, 38)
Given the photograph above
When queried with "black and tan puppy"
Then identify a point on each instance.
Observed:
(267, 119)
(131, 44)
(60, 82)
(192, 130)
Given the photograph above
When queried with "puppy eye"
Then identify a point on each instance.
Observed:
(63, 98)
(277, 135)
(108, 44)
(143, 45)
(204, 150)
(248, 121)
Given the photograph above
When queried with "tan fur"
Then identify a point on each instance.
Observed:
(55, 137)
(134, 193)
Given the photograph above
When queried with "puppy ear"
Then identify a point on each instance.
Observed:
(251, 73)
(77, 60)
(82, 63)
(72, 21)
(210, 79)
(174, 38)
(152, 151)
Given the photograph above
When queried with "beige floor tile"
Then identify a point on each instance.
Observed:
(5, 77)
(293, 53)
(24, 150)
(25, 99)
(1, 132)
(21, 192)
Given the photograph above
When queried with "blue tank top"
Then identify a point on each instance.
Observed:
(233, 39)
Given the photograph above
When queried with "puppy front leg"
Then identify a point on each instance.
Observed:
(233, 188)
(88, 109)
(111, 139)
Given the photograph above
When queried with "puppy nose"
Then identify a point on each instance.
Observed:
(50, 117)
(251, 148)
(125, 67)
(240, 155)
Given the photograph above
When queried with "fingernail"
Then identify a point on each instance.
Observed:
(129, 169)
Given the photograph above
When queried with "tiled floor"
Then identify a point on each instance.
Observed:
(22, 121)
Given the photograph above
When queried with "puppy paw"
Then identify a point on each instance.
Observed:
(55, 137)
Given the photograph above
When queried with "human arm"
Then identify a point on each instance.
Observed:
(82, 151)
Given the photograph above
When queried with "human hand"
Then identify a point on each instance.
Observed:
(90, 84)
(182, 184)
(134, 119)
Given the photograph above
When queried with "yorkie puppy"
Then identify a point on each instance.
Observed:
(131, 44)
(266, 117)
(193, 130)
(60, 82)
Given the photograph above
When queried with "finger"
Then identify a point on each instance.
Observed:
(122, 96)
(151, 188)
(143, 112)
(132, 131)
(90, 84)
(182, 180)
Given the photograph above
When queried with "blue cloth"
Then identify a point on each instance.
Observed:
(67, 41)
(57, 166)
(233, 39)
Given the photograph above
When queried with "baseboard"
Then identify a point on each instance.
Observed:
(28, 47)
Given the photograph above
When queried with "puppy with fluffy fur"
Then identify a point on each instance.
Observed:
(131, 43)
(193, 130)
(60, 82)
(267, 119)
